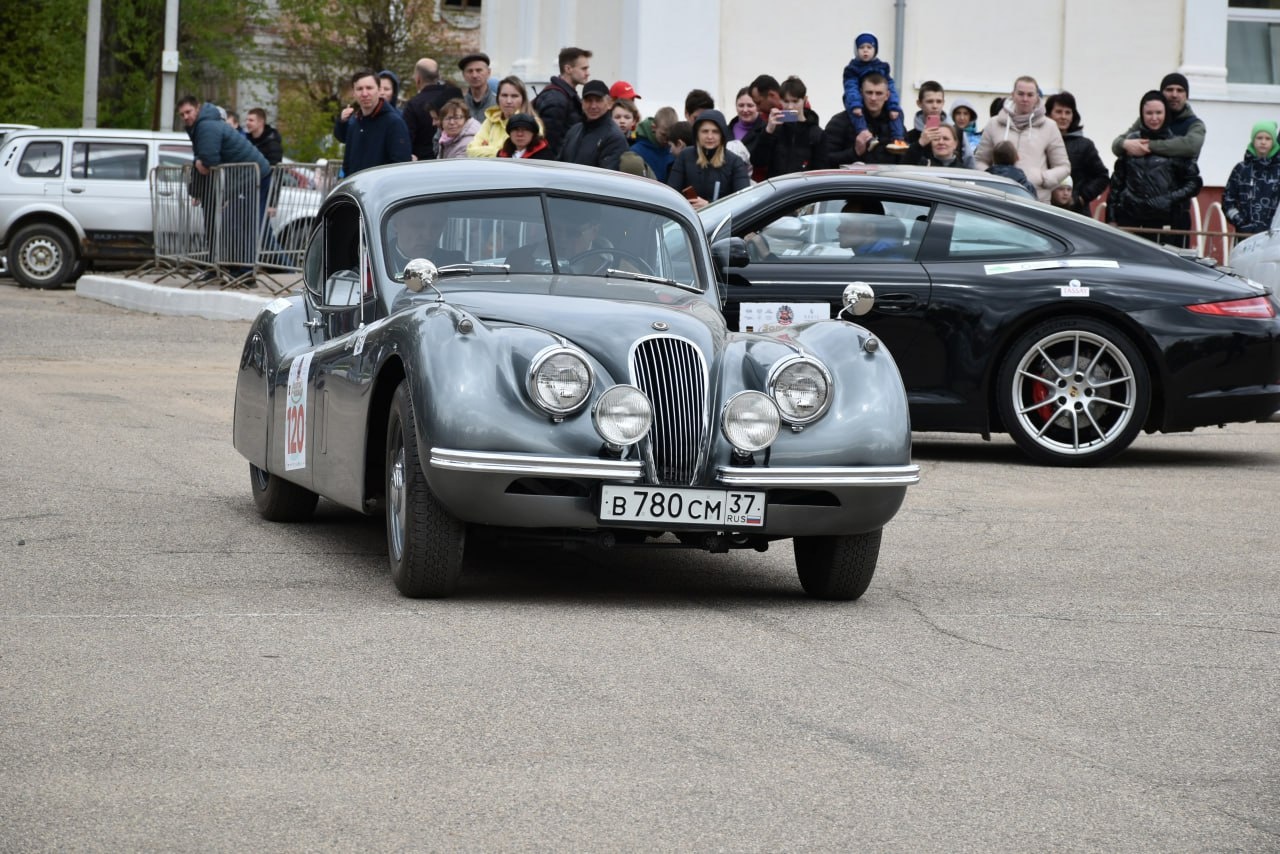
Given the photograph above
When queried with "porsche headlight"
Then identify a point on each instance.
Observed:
(560, 380)
(801, 388)
(750, 421)
(622, 415)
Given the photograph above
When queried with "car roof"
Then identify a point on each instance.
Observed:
(384, 186)
(100, 133)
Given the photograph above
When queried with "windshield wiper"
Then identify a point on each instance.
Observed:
(642, 277)
(468, 269)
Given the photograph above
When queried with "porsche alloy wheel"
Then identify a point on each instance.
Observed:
(1074, 392)
(424, 543)
(41, 256)
(837, 567)
(279, 500)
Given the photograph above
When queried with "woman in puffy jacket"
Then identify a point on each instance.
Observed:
(1089, 176)
(706, 171)
(513, 98)
(1252, 193)
(1149, 191)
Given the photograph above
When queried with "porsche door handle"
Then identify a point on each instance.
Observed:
(897, 302)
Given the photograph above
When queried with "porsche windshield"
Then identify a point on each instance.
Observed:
(542, 235)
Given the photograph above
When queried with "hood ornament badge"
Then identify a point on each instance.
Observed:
(661, 325)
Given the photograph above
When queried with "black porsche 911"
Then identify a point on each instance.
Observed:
(1008, 315)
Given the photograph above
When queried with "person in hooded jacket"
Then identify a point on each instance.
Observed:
(1089, 175)
(1252, 193)
(652, 143)
(706, 171)
(964, 115)
(1149, 191)
(524, 140)
(790, 138)
(1021, 120)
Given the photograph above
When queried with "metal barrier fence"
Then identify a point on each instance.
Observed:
(233, 227)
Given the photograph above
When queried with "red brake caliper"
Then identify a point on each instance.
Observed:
(1039, 394)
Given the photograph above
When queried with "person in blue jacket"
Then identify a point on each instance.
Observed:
(373, 132)
(866, 61)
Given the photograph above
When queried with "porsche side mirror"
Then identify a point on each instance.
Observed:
(730, 252)
(858, 298)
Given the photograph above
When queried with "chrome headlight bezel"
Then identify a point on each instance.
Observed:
(736, 404)
(536, 365)
(606, 399)
(775, 377)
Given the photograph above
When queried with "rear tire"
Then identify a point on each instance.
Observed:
(837, 567)
(42, 256)
(278, 500)
(425, 544)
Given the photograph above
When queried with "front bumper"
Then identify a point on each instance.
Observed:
(531, 491)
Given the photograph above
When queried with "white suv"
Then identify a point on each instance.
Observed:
(71, 197)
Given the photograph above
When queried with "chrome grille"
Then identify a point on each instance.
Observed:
(671, 371)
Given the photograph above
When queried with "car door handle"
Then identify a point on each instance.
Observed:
(896, 302)
(76, 189)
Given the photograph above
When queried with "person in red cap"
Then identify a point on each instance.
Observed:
(623, 89)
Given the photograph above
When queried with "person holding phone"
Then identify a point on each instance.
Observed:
(706, 171)
(929, 119)
(790, 139)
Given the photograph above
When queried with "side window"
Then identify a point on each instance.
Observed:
(852, 228)
(41, 160)
(109, 161)
(175, 155)
(976, 235)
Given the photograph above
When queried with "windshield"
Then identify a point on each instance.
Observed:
(542, 235)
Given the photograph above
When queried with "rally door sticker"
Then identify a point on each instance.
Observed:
(295, 414)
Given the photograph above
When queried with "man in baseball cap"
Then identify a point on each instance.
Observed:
(623, 89)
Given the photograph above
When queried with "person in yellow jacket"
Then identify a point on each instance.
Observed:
(513, 98)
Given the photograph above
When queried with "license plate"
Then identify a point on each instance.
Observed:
(678, 506)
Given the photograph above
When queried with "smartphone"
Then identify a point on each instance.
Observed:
(788, 115)
(932, 121)
(690, 193)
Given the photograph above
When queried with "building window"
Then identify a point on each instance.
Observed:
(1253, 41)
(461, 5)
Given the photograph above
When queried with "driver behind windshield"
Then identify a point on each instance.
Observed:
(574, 235)
(417, 232)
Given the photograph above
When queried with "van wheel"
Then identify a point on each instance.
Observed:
(41, 256)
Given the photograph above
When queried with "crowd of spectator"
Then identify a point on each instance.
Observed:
(1037, 142)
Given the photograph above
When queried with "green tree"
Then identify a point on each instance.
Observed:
(326, 41)
(42, 58)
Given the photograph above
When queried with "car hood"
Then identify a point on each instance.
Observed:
(601, 315)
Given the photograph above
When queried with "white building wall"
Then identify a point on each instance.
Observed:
(1106, 52)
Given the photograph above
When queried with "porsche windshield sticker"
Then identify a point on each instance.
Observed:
(1024, 266)
(1073, 288)
(772, 316)
(295, 414)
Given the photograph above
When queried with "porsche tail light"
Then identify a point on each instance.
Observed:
(1259, 307)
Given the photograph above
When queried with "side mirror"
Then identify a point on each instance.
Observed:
(730, 252)
(420, 274)
(858, 298)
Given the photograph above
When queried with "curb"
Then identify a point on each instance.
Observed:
(156, 299)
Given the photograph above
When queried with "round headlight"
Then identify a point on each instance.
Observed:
(801, 388)
(559, 380)
(622, 415)
(750, 421)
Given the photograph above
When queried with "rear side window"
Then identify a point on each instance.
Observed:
(109, 161)
(41, 160)
(976, 235)
(175, 155)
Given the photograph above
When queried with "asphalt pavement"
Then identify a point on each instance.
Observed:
(1047, 659)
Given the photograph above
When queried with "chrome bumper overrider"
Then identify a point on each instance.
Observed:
(531, 465)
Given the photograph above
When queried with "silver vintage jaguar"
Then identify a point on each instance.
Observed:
(535, 350)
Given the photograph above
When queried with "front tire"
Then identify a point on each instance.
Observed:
(837, 567)
(424, 543)
(1073, 392)
(278, 500)
(42, 256)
